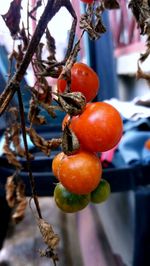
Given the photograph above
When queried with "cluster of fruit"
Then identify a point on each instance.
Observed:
(98, 129)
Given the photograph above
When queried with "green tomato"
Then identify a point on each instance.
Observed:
(101, 193)
(69, 202)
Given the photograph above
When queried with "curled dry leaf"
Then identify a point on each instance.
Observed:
(70, 143)
(11, 157)
(92, 22)
(12, 17)
(72, 103)
(49, 237)
(33, 114)
(15, 129)
(141, 11)
(10, 191)
(50, 45)
(44, 145)
(21, 202)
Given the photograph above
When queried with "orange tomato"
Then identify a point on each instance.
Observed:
(56, 162)
(80, 173)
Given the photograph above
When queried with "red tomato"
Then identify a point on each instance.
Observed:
(87, 1)
(83, 79)
(80, 173)
(99, 128)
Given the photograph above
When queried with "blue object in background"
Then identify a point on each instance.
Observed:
(103, 62)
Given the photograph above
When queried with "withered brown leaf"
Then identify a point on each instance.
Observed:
(44, 145)
(70, 142)
(12, 17)
(33, 114)
(49, 237)
(73, 103)
(11, 156)
(21, 202)
(10, 191)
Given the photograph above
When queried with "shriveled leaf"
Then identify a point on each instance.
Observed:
(12, 17)
(50, 45)
(85, 24)
(10, 191)
(21, 202)
(70, 142)
(11, 156)
(33, 114)
(72, 103)
(44, 145)
(49, 237)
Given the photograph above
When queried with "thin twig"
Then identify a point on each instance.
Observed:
(31, 177)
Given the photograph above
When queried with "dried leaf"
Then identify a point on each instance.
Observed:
(15, 131)
(33, 114)
(49, 237)
(86, 24)
(92, 22)
(44, 145)
(70, 142)
(141, 11)
(12, 17)
(11, 157)
(73, 103)
(10, 191)
(51, 46)
(21, 202)
(42, 91)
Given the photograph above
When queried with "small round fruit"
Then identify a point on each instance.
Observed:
(99, 128)
(81, 172)
(101, 193)
(83, 79)
(56, 162)
(69, 202)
